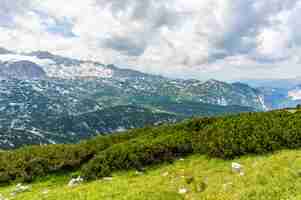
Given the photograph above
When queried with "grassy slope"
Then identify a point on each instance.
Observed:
(273, 177)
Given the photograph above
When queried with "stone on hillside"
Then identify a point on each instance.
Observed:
(183, 190)
(45, 191)
(236, 167)
(107, 178)
(2, 197)
(20, 189)
(165, 174)
(75, 181)
(139, 173)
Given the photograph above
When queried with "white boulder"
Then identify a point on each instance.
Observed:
(237, 168)
(2, 197)
(75, 181)
(107, 178)
(183, 190)
(20, 189)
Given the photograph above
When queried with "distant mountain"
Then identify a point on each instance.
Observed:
(221, 93)
(278, 93)
(58, 99)
(274, 83)
(21, 70)
(278, 98)
(5, 51)
(58, 60)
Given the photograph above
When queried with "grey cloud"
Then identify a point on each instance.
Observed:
(151, 14)
(10, 8)
(161, 32)
(156, 13)
(248, 21)
(128, 46)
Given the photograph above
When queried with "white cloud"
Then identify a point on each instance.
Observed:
(180, 38)
(16, 57)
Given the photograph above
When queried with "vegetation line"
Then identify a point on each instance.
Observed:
(223, 137)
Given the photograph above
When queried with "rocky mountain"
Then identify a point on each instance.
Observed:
(45, 98)
(5, 51)
(21, 70)
(278, 93)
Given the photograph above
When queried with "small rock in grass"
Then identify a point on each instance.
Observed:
(2, 197)
(139, 173)
(236, 167)
(165, 174)
(21, 188)
(183, 190)
(181, 159)
(107, 178)
(75, 181)
(45, 191)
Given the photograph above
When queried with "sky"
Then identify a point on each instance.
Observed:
(202, 39)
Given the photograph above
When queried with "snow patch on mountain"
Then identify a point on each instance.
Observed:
(86, 69)
(55, 70)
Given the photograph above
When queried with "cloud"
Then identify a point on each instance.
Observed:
(8, 9)
(179, 38)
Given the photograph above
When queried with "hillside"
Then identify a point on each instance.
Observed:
(272, 177)
(225, 137)
(44, 96)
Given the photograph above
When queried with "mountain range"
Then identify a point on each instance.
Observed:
(47, 98)
(278, 93)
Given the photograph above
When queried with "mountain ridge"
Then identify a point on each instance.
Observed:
(71, 89)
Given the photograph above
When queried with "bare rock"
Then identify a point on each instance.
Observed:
(2, 197)
(107, 178)
(75, 181)
(165, 174)
(20, 189)
(139, 173)
(183, 190)
(236, 167)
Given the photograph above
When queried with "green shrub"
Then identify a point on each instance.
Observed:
(255, 133)
(31, 162)
(224, 137)
(138, 153)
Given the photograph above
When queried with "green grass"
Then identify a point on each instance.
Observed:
(270, 177)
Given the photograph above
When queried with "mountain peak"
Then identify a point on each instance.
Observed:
(214, 82)
(42, 54)
(22, 70)
(4, 51)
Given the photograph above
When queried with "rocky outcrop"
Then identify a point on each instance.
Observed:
(21, 70)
